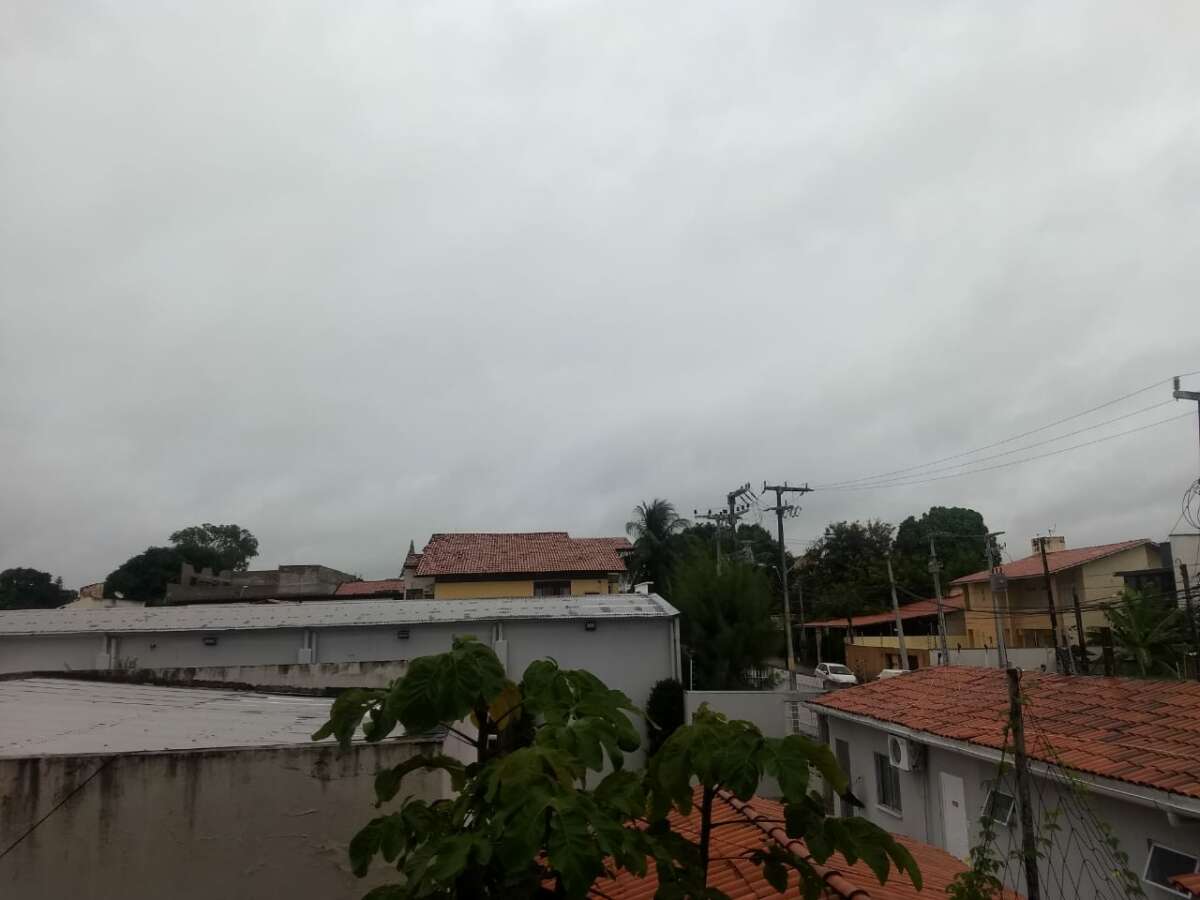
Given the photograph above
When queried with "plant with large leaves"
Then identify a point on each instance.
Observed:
(524, 821)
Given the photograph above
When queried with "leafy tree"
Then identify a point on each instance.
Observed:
(145, 576)
(523, 821)
(845, 571)
(31, 589)
(654, 530)
(726, 619)
(664, 712)
(1148, 634)
(219, 547)
(957, 531)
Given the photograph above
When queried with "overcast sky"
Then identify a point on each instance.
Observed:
(348, 274)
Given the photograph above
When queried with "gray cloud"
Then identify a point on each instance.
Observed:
(347, 276)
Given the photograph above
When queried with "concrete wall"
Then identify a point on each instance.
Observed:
(187, 648)
(314, 677)
(342, 645)
(235, 824)
(78, 652)
(1028, 658)
(921, 816)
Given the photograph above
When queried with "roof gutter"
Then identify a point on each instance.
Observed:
(1169, 803)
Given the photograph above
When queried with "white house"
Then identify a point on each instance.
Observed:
(924, 753)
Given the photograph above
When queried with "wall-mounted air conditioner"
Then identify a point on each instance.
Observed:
(905, 755)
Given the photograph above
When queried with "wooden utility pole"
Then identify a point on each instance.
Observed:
(1084, 662)
(735, 510)
(935, 568)
(1188, 395)
(1016, 722)
(1058, 655)
(998, 584)
(1187, 599)
(899, 621)
(716, 518)
(780, 509)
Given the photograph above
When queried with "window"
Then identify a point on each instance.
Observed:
(414, 594)
(552, 589)
(887, 784)
(1163, 863)
(998, 807)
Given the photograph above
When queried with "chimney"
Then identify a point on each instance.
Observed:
(1054, 543)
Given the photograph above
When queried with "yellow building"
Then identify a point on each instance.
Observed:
(1090, 574)
(487, 565)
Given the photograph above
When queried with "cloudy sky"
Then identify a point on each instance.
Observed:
(347, 274)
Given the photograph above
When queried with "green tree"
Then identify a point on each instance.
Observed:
(1148, 633)
(219, 547)
(844, 573)
(145, 576)
(958, 532)
(22, 588)
(654, 530)
(524, 822)
(726, 620)
(664, 712)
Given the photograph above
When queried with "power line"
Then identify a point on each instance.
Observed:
(1032, 446)
(1008, 440)
(57, 806)
(1015, 462)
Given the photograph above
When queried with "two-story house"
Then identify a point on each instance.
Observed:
(928, 755)
(482, 565)
(1093, 575)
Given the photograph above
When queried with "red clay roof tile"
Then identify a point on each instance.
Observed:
(385, 587)
(751, 826)
(1058, 560)
(524, 553)
(918, 609)
(971, 704)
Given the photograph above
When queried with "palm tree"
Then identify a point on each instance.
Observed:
(1147, 633)
(653, 530)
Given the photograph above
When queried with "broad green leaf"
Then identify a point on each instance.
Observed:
(387, 781)
(572, 851)
(450, 857)
(364, 846)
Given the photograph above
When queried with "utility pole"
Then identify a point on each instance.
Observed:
(1188, 395)
(716, 518)
(1016, 721)
(935, 568)
(1050, 602)
(736, 510)
(1187, 598)
(999, 587)
(899, 621)
(780, 508)
(1084, 662)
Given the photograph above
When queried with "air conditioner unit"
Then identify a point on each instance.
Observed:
(905, 755)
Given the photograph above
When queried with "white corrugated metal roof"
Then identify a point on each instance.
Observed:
(329, 614)
(45, 716)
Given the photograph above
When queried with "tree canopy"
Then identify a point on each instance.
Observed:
(526, 820)
(1149, 634)
(655, 530)
(22, 588)
(145, 576)
(845, 571)
(958, 533)
(219, 547)
(726, 619)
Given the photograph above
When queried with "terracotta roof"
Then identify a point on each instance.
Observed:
(754, 825)
(387, 586)
(1189, 883)
(524, 553)
(1139, 731)
(412, 560)
(919, 609)
(1059, 560)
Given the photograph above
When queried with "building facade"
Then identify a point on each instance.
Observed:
(924, 754)
(490, 565)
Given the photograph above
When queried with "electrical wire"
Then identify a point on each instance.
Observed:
(1042, 443)
(1015, 462)
(1007, 440)
(57, 806)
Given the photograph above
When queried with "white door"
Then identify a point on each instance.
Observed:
(956, 837)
